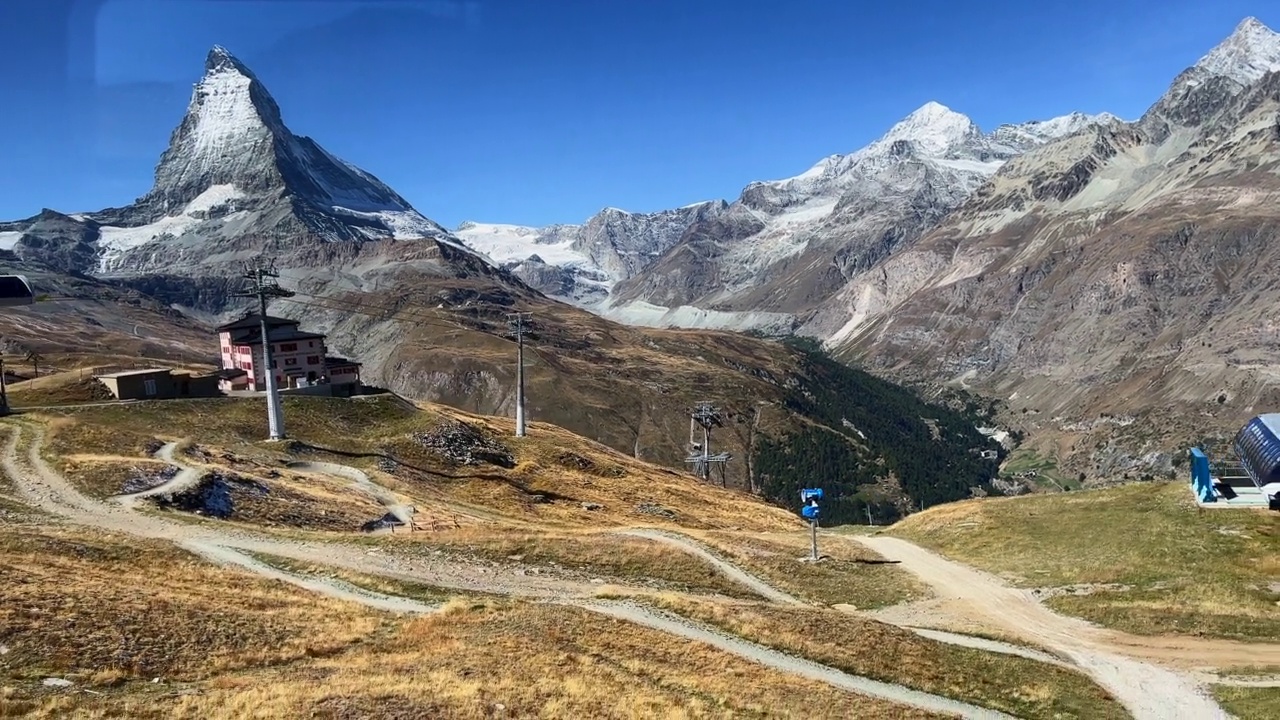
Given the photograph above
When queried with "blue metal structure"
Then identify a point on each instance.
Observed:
(810, 510)
(1258, 446)
(1201, 481)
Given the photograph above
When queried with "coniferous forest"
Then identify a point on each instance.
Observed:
(873, 431)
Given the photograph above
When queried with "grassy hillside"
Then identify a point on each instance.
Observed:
(551, 505)
(1158, 563)
(544, 478)
(280, 651)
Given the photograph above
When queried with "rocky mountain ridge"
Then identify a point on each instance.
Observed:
(1121, 271)
(765, 260)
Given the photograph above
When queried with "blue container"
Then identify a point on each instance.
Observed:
(1258, 445)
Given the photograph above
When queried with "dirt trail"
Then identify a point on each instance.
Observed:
(733, 572)
(333, 588)
(186, 477)
(787, 663)
(42, 487)
(1147, 691)
(360, 479)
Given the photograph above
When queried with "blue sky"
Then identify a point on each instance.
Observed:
(542, 111)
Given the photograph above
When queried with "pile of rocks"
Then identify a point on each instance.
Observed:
(465, 444)
(212, 496)
(649, 508)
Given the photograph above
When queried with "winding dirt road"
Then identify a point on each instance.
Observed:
(42, 487)
(1148, 691)
(361, 481)
(733, 572)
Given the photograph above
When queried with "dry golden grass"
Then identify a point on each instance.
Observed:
(494, 659)
(111, 616)
(563, 468)
(1249, 703)
(61, 389)
(598, 555)
(103, 477)
(100, 608)
(849, 573)
(1019, 686)
(1189, 570)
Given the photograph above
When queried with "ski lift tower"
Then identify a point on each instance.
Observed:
(706, 417)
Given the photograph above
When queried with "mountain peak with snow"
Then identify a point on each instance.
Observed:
(233, 170)
(1251, 51)
(933, 129)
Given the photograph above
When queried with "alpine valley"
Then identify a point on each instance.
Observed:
(1083, 280)
(1107, 281)
(427, 316)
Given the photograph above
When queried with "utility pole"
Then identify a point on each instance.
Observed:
(4, 390)
(262, 276)
(519, 323)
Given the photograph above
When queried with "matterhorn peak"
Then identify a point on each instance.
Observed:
(1252, 51)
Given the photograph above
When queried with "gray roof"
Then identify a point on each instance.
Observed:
(127, 373)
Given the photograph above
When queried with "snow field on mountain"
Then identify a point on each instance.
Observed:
(514, 243)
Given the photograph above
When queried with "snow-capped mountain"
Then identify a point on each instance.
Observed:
(233, 173)
(1251, 51)
(712, 264)
(1123, 269)
(768, 259)
(581, 263)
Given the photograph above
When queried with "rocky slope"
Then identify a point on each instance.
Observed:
(581, 263)
(767, 259)
(1122, 272)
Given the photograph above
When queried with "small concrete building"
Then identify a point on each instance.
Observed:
(159, 384)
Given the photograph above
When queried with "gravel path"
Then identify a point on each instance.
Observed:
(1148, 692)
(979, 643)
(360, 479)
(787, 663)
(332, 588)
(42, 487)
(730, 570)
(186, 477)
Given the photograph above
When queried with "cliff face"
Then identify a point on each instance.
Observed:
(1124, 271)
